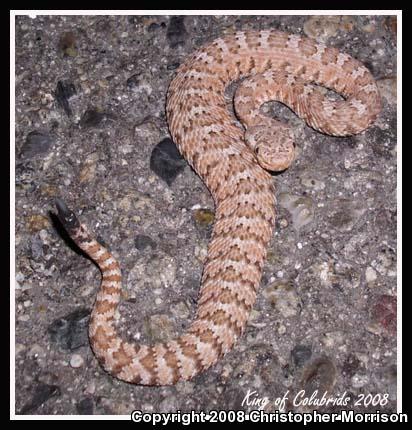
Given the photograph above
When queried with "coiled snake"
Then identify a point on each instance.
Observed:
(234, 165)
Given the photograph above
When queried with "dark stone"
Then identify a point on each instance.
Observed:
(301, 354)
(36, 143)
(141, 242)
(176, 31)
(92, 118)
(383, 142)
(42, 393)
(85, 406)
(173, 66)
(319, 375)
(135, 20)
(384, 312)
(70, 331)
(166, 161)
(153, 27)
(133, 81)
(351, 365)
(385, 219)
(36, 248)
(65, 90)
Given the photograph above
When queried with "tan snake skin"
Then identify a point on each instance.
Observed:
(232, 163)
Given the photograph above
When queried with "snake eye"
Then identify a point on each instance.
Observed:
(257, 150)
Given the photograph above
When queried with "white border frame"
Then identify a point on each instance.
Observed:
(34, 13)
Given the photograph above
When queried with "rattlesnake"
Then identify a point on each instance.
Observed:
(233, 164)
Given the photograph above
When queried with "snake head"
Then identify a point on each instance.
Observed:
(66, 216)
(274, 147)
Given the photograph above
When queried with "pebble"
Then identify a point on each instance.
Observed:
(37, 351)
(160, 328)
(391, 24)
(87, 290)
(283, 223)
(133, 81)
(301, 208)
(147, 132)
(359, 381)
(37, 222)
(173, 66)
(282, 296)
(370, 275)
(385, 259)
(384, 313)
(159, 272)
(19, 277)
(67, 44)
(200, 253)
(281, 329)
(332, 339)
(76, 361)
(180, 309)
(89, 168)
(323, 27)
(90, 388)
(388, 89)
(204, 217)
(326, 273)
(311, 182)
(125, 203)
(19, 348)
(344, 214)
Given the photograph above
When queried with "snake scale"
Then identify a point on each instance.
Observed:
(234, 163)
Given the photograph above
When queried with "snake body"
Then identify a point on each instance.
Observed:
(234, 165)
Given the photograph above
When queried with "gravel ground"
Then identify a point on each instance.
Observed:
(90, 109)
